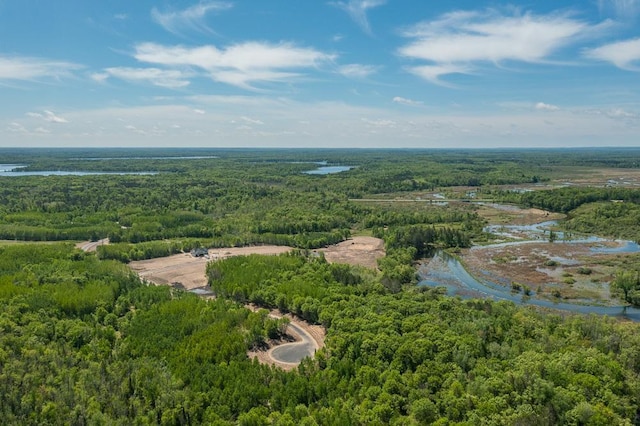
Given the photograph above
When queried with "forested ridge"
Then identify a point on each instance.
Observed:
(83, 341)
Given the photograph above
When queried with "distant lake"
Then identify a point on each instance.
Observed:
(9, 170)
(327, 170)
(191, 157)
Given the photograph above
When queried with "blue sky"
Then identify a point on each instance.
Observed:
(341, 73)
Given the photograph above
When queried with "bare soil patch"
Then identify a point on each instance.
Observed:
(190, 272)
(363, 251)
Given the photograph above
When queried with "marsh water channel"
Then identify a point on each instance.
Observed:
(444, 270)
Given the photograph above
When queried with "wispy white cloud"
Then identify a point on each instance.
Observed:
(29, 69)
(623, 54)
(252, 120)
(15, 127)
(433, 73)
(541, 106)
(242, 65)
(459, 42)
(622, 113)
(357, 70)
(380, 122)
(404, 101)
(357, 10)
(48, 116)
(623, 9)
(191, 18)
(171, 79)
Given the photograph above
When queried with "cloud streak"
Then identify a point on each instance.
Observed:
(459, 42)
(357, 10)
(541, 106)
(624, 9)
(170, 79)
(623, 54)
(48, 116)
(243, 65)
(404, 101)
(191, 18)
(357, 70)
(29, 69)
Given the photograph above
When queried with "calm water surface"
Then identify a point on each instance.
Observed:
(327, 170)
(11, 170)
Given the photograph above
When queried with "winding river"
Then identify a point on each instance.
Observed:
(446, 271)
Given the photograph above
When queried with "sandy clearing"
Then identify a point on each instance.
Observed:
(189, 271)
(363, 251)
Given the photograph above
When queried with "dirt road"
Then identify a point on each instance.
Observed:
(91, 245)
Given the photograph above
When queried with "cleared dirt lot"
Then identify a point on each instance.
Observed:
(188, 271)
(363, 251)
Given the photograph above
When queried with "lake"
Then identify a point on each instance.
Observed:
(9, 170)
(327, 170)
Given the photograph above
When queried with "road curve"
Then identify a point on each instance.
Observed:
(293, 353)
(92, 245)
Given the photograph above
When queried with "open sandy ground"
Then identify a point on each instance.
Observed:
(363, 251)
(188, 271)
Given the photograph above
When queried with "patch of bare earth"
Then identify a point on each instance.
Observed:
(190, 272)
(363, 251)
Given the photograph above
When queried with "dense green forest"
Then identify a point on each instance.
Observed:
(83, 341)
